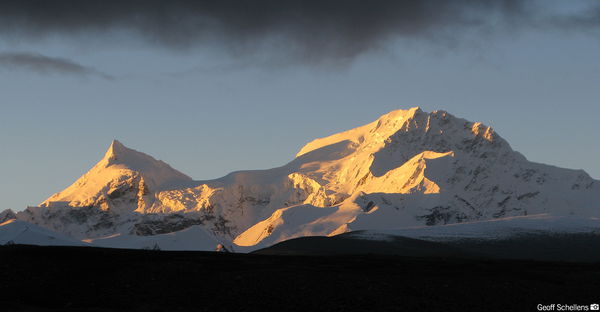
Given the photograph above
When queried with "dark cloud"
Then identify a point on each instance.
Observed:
(587, 19)
(46, 65)
(306, 31)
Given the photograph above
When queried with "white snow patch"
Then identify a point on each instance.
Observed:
(21, 232)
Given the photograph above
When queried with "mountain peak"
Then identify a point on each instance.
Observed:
(115, 149)
(116, 144)
(402, 114)
(120, 167)
(119, 155)
(379, 129)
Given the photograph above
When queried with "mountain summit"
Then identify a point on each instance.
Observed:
(407, 168)
(121, 171)
(157, 174)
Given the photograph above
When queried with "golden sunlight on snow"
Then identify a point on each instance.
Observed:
(407, 168)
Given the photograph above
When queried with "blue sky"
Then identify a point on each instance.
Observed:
(208, 113)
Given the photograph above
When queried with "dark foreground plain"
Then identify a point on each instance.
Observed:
(569, 247)
(95, 279)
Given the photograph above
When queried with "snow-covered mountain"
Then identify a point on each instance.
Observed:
(407, 168)
(121, 177)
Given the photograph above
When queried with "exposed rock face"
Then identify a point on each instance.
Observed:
(407, 168)
(7, 215)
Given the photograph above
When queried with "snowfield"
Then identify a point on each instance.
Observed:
(19, 232)
(491, 229)
(192, 238)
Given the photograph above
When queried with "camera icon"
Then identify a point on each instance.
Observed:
(594, 307)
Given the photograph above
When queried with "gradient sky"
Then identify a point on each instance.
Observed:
(207, 111)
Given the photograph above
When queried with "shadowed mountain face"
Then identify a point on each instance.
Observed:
(407, 168)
